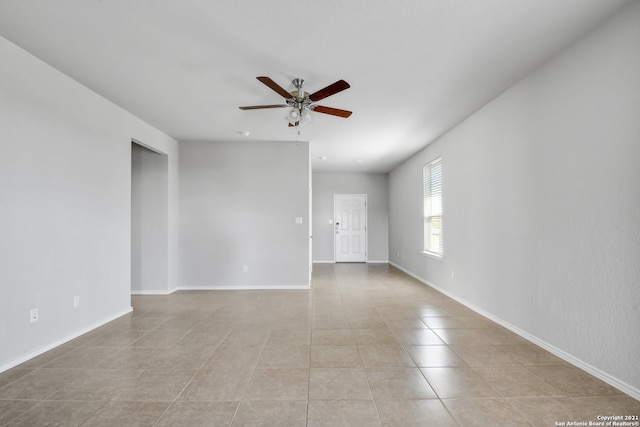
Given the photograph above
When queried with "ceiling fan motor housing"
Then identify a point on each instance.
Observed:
(299, 97)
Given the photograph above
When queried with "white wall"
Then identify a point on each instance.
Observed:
(149, 221)
(65, 192)
(238, 205)
(375, 186)
(542, 205)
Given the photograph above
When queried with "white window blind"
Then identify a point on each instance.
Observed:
(432, 175)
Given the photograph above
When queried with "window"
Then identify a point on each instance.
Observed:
(432, 175)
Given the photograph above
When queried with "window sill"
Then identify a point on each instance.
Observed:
(431, 255)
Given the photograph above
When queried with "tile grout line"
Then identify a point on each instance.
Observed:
(192, 377)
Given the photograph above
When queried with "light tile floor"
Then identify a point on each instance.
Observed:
(367, 346)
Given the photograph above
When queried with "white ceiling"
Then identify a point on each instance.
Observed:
(416, 67)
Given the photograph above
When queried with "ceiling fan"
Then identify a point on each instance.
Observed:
(301, 102)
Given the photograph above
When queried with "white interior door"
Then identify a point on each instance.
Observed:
(350, 222)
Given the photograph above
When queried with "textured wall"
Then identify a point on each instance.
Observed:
(375, 186)
(238, 205)
(65, 186)
(542, 204)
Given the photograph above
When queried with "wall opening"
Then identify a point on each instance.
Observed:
(149, 220)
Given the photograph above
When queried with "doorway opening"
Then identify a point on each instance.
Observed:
(149, 220)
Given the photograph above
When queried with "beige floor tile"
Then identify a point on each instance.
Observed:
(285, 356)
(515, 381)
(135, 413)
(84, 357)
(485, 412)
(332, 337)
(248, 336)
(430, 311)
(418, 337)
(289, 337)
(455, 337)
(136, 323)
(57, 414)
(434, 356)
(573, 381)
(339, 383)
(414, 413)
(210, 385)
(286, 321)
(281, 414)
(198, 414)
(393, 308)
(405, 323)
(161, 339)
(155, 386)
(458, 322)
(95, 384)
(11, 409)
(38, 385)
(335, 357)
(543, 412)
(278, 384)
(203, 338)
(367, 322)
(485, 355)
(52, 354)
(616, 404)
(132, 358)
(501, 336)
(384, 356)
(181, 357)
(11, 375)
(531, 355)
(455, 309)
(117, 338)
(184, 323)
(358, 341)
(331, 322)
(358, 310)
(332, 413)
(234, 355)
(375, 336)
(399, 383)
(458, 382)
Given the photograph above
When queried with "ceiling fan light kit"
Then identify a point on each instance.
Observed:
(302, 103)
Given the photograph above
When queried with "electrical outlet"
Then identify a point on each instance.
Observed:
(76, 301)
(398, 254)
(245, 268)
(33, 315)
(453, 274)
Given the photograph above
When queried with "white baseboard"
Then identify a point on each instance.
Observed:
(150, 292)
(370, 261)
(28, 356)
(609, 379)
(242, 288)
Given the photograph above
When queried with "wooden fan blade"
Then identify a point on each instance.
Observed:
(332, 111)
(258, 107)
(274, 86)
(334, 88)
